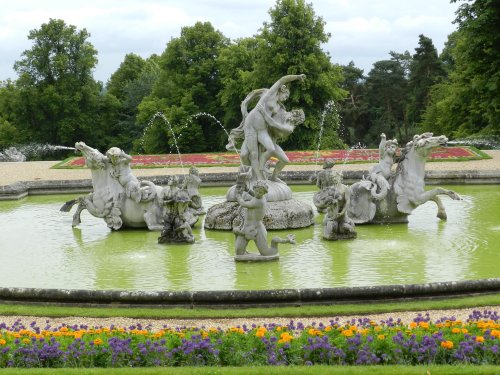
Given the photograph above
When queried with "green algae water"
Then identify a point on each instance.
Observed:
(40, 249)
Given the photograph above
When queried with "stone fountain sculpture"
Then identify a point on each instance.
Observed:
(334, 199)
(122, 200)
(388, 196)
(260, 130)
(251, 227)
(177, 219)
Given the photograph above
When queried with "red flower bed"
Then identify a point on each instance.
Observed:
(296, 157)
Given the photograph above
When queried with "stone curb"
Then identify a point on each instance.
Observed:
(20, 190)
(250, 298)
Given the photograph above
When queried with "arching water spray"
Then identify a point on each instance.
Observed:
(205, 114)
(329, 107)
(29, 151)
(164, 118)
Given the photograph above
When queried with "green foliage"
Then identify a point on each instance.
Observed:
(129, 71)
(353, 108)
(425, 71)
(386, 87)
(189, 83)
(292, 45)
(469, 102)
(59, 101)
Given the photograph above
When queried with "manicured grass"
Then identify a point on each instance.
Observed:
(268, 370)
(198, 312)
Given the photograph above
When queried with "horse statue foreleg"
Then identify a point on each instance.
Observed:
(432, 195)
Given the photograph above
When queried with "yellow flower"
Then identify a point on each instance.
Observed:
(328, 328)
(464, 331)
(347, 333)
(97, 341)
(381, 337)
(26, 341)
(285, 337)
(424, 325)
(63, 329)
(455, 330)
(447, 344)
(3, 342)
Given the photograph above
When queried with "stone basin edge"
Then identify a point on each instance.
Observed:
(250, 298)
(22, 189)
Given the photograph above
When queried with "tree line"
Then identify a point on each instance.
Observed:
(202, 76)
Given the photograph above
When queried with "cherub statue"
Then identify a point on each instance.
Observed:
(252, 228)
(335, 200)
(381, 172)
(192, 182)
(324, 179)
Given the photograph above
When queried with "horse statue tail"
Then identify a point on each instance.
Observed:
(66, 207)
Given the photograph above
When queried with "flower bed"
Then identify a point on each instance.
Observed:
(357, 342)
(296, 157)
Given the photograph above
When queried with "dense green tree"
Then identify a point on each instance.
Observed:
(469, 103)
(59, 101)
(292, 45)
(9, 134)
(425, 71)
(189, 83)
(386, 87)
(353, 109)
(129, 71)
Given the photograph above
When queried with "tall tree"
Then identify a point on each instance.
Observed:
(59, 100)
(425, 71)
(469, 103)
(292, 45)
(188, 84)
(386, 87)
(353, 108)
(129, 70)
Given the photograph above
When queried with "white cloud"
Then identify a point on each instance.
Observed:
(362, 30)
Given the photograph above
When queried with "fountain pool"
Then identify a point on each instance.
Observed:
(40, 249)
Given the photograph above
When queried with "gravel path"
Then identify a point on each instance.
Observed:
(157, 324)
(41, 170)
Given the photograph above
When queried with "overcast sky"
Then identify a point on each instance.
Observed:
(363, 31)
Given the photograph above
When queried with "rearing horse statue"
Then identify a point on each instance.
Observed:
(406, 187)
(118, 197)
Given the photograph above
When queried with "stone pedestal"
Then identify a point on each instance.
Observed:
(287, 214)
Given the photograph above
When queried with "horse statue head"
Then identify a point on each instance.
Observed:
(93, 158)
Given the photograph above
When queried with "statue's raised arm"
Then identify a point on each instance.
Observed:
(284, 80)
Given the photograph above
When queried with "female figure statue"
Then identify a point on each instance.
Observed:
(260, 127)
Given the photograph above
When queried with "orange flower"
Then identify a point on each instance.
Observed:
(424, 325)
(447, 344)
(495, 333)
(455, 330)
(347, 333)
(479, 339)
(285, 337)
(3, 342)
(98, 341)
(413, 325)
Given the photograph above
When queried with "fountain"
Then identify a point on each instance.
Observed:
(260, 130)
(93, 257)
(27, 152)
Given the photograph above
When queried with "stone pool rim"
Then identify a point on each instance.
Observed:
(250, 298)
(21, 189)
